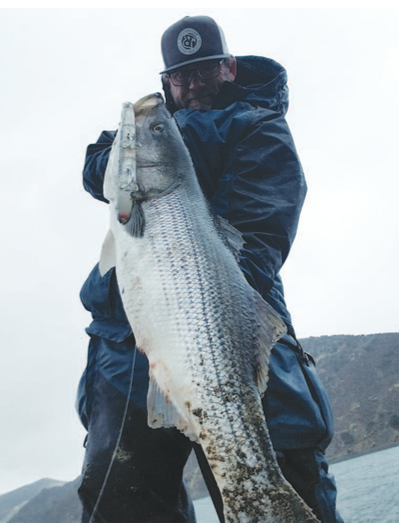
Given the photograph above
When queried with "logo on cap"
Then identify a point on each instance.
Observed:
(189, 41)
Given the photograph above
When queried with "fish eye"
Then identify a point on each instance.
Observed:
(158, 128)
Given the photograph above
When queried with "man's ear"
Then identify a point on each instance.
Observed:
(166, 83)
(166, 80)
(232, 66)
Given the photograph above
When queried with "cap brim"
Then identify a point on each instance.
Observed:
(203, 59)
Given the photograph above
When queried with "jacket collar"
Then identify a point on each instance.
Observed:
(259, 81)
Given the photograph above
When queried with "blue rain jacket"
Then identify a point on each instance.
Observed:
(249, 170)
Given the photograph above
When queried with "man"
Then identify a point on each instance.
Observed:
(231, 114)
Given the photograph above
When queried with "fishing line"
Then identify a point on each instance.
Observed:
(91, 520)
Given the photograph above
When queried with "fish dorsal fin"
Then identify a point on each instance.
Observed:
(108, 254)
(231, 236)
(270, 328)
(163, 413)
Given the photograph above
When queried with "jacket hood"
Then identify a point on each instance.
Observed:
(260, 81)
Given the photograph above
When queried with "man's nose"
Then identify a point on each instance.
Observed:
(196, 81)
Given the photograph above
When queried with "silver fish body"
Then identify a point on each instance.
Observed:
(206, 332)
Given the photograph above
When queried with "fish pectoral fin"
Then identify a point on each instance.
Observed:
(136, 224)
(163, 413)
(108, 254)
(270, 329)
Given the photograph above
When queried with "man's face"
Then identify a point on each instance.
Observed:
(197, 91)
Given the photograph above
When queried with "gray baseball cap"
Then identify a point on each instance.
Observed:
(192, 39)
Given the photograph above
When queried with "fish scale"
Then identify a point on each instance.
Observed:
(189, 283)
(206, 332)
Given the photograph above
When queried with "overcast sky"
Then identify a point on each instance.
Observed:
(65, 75)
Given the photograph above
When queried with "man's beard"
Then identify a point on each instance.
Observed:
(202, 100)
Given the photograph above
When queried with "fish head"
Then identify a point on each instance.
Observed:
(161, 155)
(148, 160)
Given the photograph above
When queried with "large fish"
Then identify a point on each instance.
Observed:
(206, 332)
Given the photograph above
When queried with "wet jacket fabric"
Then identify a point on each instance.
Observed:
(249, 170)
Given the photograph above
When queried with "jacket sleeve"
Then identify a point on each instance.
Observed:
(253, 178)
(96, 163)
(266, 189)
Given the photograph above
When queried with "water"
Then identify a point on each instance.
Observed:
(368, 490)
(368, 487)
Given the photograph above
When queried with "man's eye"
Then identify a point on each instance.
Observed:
(207, 69)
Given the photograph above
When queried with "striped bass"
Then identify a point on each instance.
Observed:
(206, 332)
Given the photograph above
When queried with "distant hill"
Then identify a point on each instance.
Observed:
(50, 504)
(361, 375)
(17, 498)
